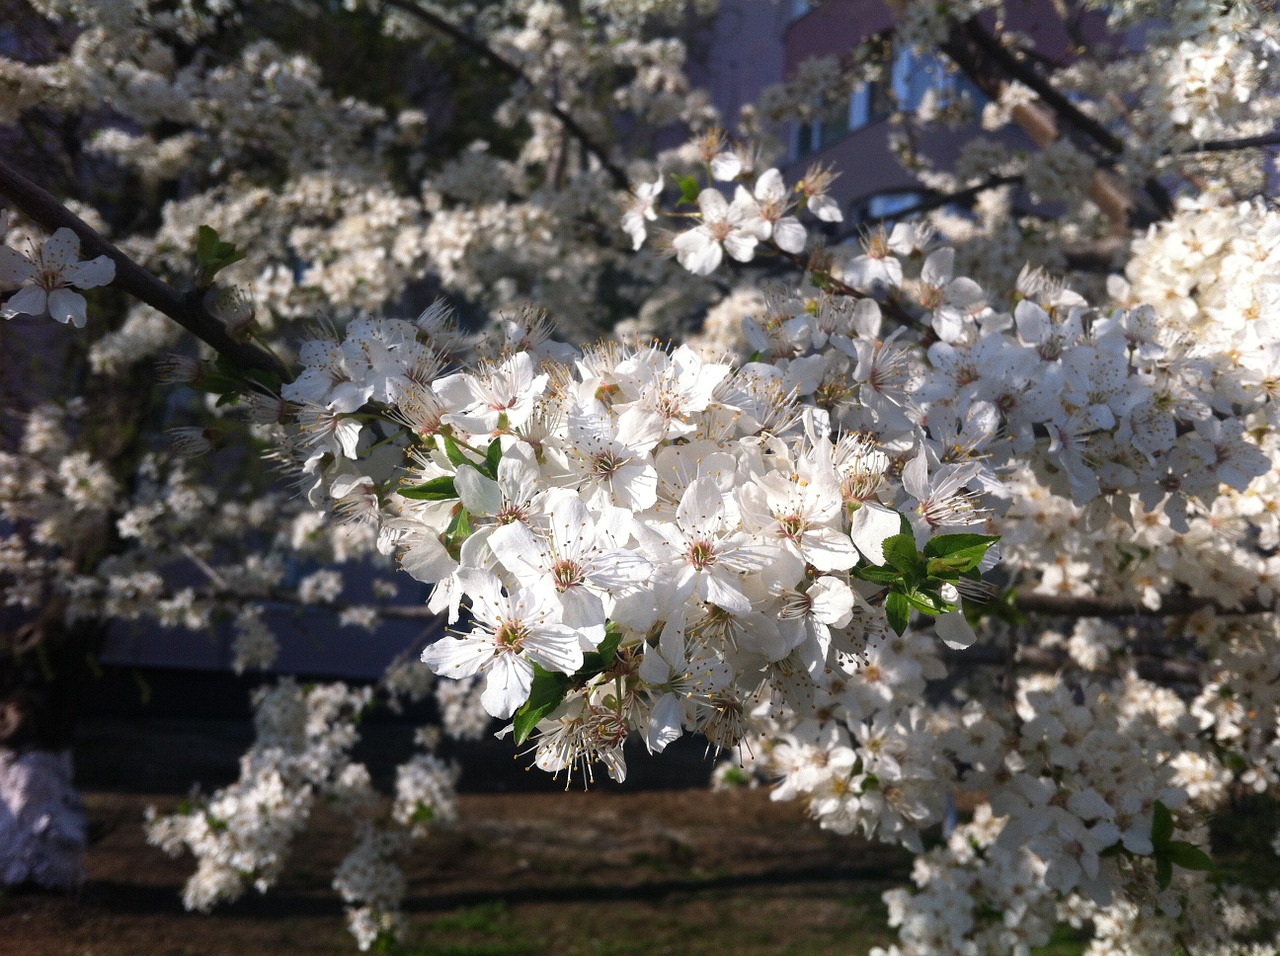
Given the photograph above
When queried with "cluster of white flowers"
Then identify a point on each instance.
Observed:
(681, 527)
(241, 834)
(729, 537)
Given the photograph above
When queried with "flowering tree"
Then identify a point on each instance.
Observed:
(983, 503)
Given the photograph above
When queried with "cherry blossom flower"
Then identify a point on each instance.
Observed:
(47, 275)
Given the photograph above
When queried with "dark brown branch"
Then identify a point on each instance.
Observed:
(1229, 145)
(1099, 256)
(1149, 667)
(185, 309)
(985, 60)
(1024, 73)
(934, 201)
(486, 52)
(1170, 606)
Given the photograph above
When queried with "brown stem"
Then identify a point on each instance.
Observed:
(185, 309)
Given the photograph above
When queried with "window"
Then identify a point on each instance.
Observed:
(864, 109)
(914, 75)
(884, 205)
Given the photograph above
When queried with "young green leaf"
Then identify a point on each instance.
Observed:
(900, 552)
(898, 610)
(459, 528)
(437, 489)
(213, 255)
(929, 603)
(454, 453)
(689, 190)
(545, 695)
(493, 455)
(1189, 856)
(1161, 825)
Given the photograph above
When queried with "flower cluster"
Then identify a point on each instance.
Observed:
(645, 540)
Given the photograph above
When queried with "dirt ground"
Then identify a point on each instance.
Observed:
(599, 873)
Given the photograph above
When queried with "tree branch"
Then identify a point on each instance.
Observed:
(1228, 145)
(486, 52)
(1172, 606)
(990, 65)
(186, 309)
(934, 201)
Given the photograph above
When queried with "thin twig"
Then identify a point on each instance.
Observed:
(482, 49)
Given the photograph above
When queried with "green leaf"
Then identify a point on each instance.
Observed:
(491, 459)
(601, 659)
(454, 453)
(459, 529)
(1161, 826)
(951, 554)
(878, 575)
(1188, 856)
(900, 552)
(1164, 871)
(545, 695)
(437, 489)
(689, 189)
(898, 609)
(929, 603)
(213, 255)
(608, 648)
(947, 544)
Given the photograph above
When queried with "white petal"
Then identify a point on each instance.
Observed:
(15, 267)
(789, 235)
(870, 526)
(954, 630)
(479, 494)
(664, 723)
(726, 166)
(697, 251)
(828, 549)
(91, 274)
(457, 656)
(713, 205)
(831, 601)
(519, 551)
(60, 250)
(507, 685)
(719, 590)
(555, 647)
(740, 246)
(701, 508)
(825, 208)
(938, 268)
(770, 186)
(31, 300)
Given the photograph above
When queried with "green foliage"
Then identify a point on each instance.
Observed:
(549, 688)
(689, 189)
(437, 489)
(213, 255)
(915, 578)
